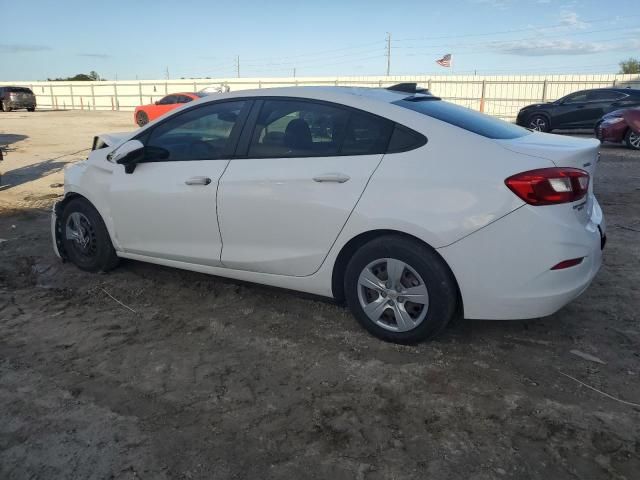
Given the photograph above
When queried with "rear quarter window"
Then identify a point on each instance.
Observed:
(465, 118)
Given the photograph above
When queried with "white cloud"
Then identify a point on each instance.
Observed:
(539, 48)
(22, 47)
(571, 19)
(95, 55)
(493, 3)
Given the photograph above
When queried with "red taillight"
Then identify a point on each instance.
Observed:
(549, 186)
(567, 263)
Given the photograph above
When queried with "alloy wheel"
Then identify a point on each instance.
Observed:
(393, 295)
(538, 124)
(634, 140)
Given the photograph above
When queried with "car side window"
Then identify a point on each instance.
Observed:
(366, 135)
(404, 139)
(202, 133)
(605, 96)
(291, 128)
(297, 128)
(578, 97)
(168, 100)
(184, 99)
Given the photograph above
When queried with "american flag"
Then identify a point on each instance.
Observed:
(445, 61)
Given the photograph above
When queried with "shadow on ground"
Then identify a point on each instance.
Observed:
(22, 175)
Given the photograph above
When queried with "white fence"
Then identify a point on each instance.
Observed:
(501, 96)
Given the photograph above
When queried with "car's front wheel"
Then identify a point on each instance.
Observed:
(632, 139)
(400, 290)
(85, 237)
(142, 119)
(6, 107)
(539, 123)
(31, 109)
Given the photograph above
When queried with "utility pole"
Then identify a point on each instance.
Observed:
(294, 72)
(238, 65)
(167, 73)
(388, 53)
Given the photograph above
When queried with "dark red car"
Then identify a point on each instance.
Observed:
(620, 125)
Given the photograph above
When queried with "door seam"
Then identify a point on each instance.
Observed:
(217, 212)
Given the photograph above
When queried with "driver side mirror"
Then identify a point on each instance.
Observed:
(133, 152)
(128, 154)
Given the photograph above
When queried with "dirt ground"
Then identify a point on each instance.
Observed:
(205, 378)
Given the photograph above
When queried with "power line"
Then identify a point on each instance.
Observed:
(539, 27)
(320, 53)
(497, 42)
(312, 60)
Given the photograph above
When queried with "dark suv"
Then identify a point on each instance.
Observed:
(12, 98)
(577, 110)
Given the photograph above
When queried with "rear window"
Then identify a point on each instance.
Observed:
(466, 118)
(19, 90)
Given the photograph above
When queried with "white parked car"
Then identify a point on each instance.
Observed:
(408, 207)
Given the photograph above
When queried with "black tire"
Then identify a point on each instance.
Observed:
(98, 255)
(539, 123)
(31, 109)
(5, 107)
(437, 277)
(632, 138)
(142, 119)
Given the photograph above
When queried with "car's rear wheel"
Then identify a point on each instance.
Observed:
(539, 123)
(632, 139)
(85, 237)
(6, 107)
(142, 119)
(400, 290)
(31, 109)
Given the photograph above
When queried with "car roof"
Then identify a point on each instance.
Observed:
(616, 89)
(328, 93)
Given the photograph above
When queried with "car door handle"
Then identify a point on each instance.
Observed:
(332, 177)
(198, 181)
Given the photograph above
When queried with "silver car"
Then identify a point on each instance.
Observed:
(13, 98)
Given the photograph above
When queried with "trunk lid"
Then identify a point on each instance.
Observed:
(563, 151)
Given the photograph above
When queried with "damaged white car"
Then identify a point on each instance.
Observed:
(409, 208)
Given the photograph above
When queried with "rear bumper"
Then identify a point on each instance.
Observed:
(504, 270)
(16, 104)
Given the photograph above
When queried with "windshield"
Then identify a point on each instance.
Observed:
(466, 118)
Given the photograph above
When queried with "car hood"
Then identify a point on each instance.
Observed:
(114, 139)
(620, 112)
(537, 105)
(615, 113)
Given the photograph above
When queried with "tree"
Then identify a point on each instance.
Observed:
(80, 77)
(630, 65)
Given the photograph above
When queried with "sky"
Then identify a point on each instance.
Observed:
(129, 39)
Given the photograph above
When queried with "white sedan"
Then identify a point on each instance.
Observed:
(410, 208)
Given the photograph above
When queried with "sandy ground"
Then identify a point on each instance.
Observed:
(211, 379)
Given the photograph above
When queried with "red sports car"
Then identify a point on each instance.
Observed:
(620, 125)
(145, 113)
